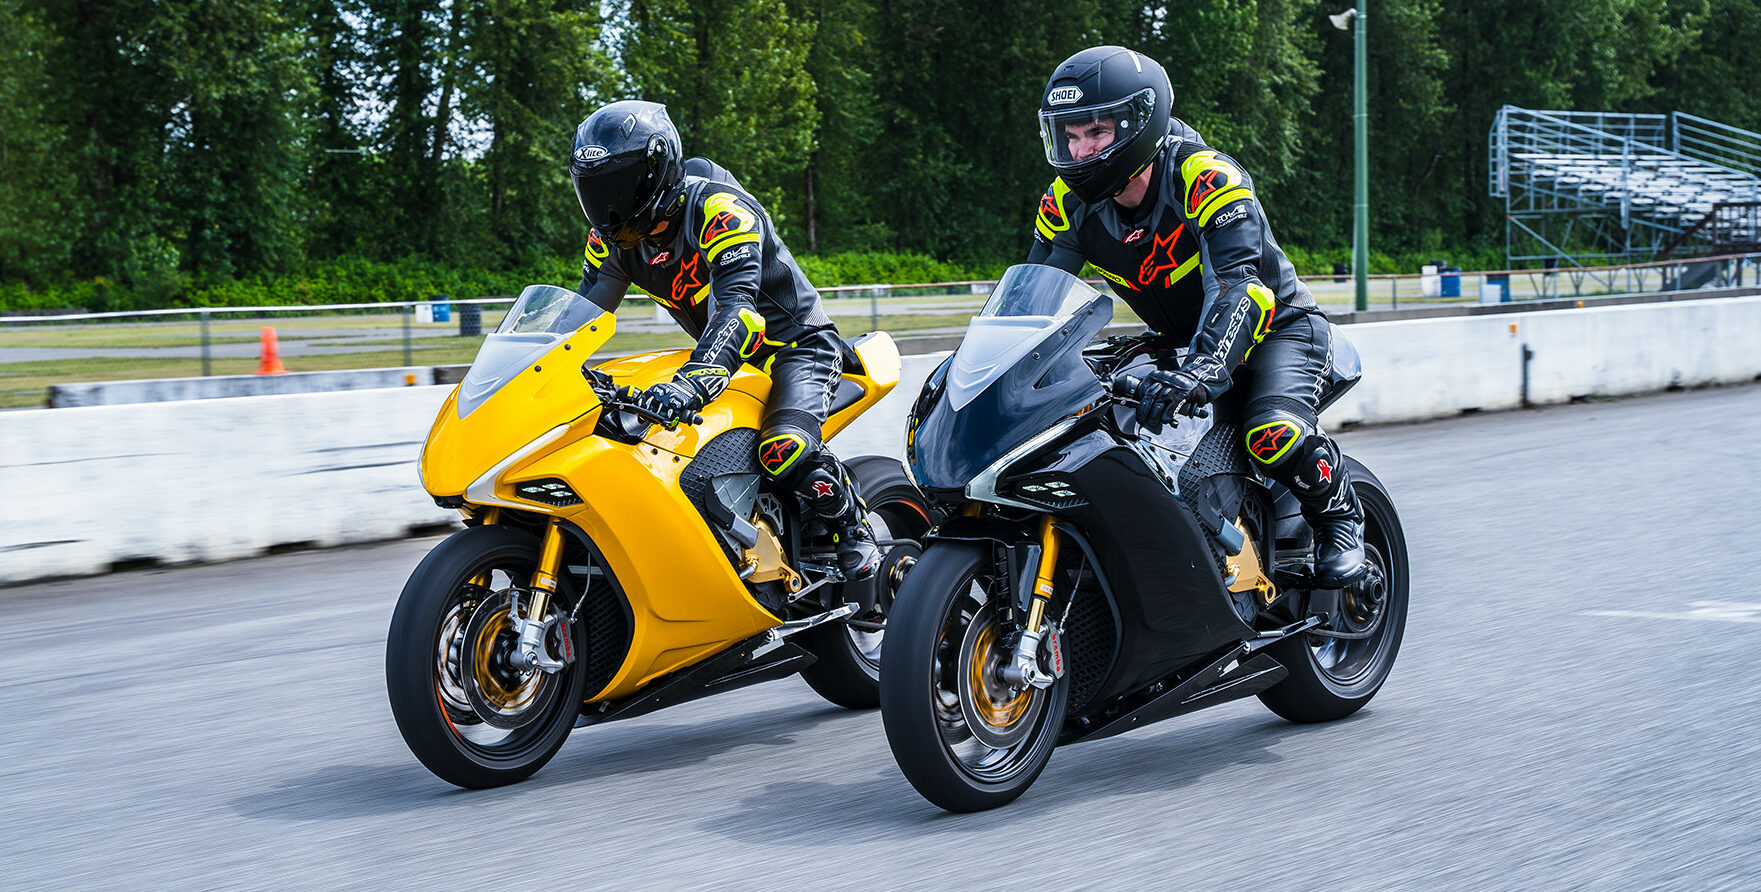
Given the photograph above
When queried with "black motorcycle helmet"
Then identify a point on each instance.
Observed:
(628, 169)
(1100, 91)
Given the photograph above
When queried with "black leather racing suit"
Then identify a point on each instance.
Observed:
(1198, 263)
(726, 277)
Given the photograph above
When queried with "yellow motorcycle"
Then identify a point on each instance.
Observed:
(612, 566)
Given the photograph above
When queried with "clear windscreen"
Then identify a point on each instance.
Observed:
(550, 309)
(1032, 289)
(544, 316)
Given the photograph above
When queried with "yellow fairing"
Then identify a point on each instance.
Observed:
(549, 392)
(687, 603)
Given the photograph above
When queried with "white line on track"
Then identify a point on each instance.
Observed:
(1715, 611)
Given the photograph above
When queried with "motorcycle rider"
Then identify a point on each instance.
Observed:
(1175, 226)
(685, 231)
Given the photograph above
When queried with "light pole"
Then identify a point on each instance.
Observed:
(1353, 20)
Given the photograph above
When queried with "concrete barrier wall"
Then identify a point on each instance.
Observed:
(84, 490)
(159, 390)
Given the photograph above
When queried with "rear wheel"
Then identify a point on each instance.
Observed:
(1331, 677)
(466, 712)
(847, 668)
(963, 738)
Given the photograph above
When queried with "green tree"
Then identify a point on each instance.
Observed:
(39, 208)
(1410, 207)
(1717, 77)
(534, 64)
(339, 160)
(960, 167)
(837, 179)
(234, 139)
(733, 76)
(105, 108)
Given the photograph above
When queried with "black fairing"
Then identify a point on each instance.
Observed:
(1157, 559)
(952, 442)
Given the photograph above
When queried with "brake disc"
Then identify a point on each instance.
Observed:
(503, 696)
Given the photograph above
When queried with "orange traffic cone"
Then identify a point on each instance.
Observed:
(271, 362)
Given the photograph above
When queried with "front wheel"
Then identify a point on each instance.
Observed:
(469, 715)
(1331, 678)
(963, 738)
(847, 669)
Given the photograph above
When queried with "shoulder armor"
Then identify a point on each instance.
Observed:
(597, 249)
(1212, 181)
(727, 222)
(1053, 218)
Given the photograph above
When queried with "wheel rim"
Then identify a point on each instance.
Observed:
(470, 678)
(990, 732)
(1350, 662)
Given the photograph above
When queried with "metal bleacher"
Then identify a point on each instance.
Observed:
(1598, 186)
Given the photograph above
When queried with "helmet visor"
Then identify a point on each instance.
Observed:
(1085, 134)
(617, 196)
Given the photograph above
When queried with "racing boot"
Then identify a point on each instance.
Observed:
(1338, 522)
(829, 493)
(1315, 472)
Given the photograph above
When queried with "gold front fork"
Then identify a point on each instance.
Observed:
(1042, 580)
(550, 559)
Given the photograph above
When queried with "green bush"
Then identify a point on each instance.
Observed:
(884, 268)
(347, 280)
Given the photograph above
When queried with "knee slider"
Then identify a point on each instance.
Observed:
(1316, 470)
(786, 451)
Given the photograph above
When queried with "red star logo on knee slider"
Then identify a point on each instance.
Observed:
(1325, 469)
(822, 488)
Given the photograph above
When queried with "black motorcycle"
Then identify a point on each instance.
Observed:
(1092, 576)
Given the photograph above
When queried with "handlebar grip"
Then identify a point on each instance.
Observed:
(1127, 385)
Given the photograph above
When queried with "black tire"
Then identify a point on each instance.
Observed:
(1332, 678)
(438, 724)
(847, 669)
(933, 739)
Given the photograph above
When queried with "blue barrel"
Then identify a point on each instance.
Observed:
(1502, 280)
(442, 311)
(1451, 281)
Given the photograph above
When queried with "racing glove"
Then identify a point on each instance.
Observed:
(1167, 394)
(671, 401)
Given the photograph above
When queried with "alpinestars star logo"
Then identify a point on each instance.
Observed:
(1048, 207)
(1161, 257)
(777, 453)
(1270, 442)
(822, 488)
(1325, 469)
(661, 258)
(1134, 236)
(686, 281)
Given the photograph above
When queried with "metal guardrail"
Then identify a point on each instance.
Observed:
(38, 351)
(1721, 144)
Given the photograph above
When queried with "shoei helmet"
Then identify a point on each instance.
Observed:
(1103, 117)
(628, 169)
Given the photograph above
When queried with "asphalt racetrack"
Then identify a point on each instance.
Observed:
(1577, 706)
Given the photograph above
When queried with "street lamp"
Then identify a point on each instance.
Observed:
(1353, 20)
